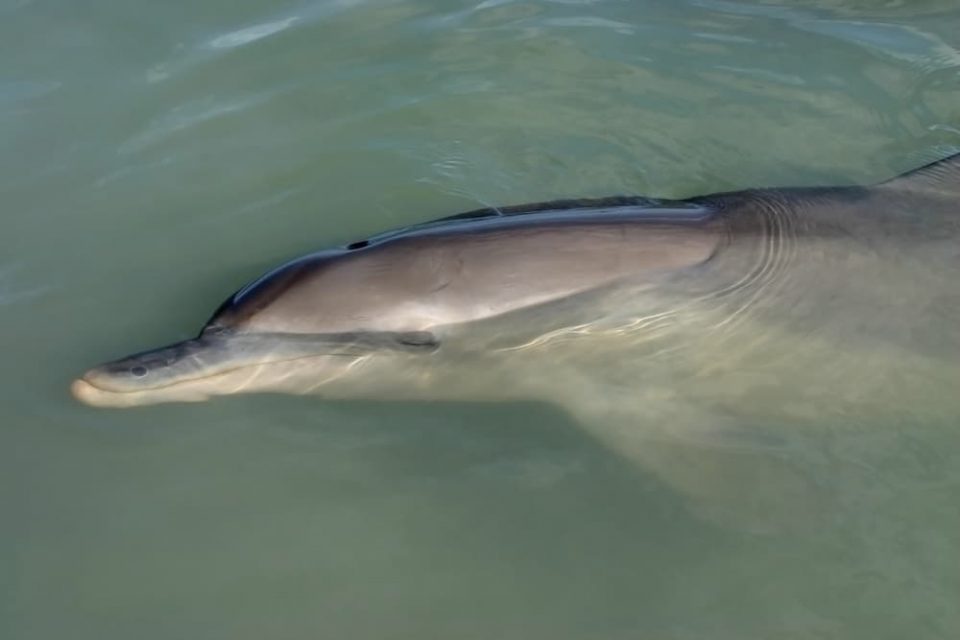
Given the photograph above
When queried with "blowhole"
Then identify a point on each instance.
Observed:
(359, 244)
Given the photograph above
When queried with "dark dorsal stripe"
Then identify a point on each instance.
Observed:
(609, 202)
(942, 176)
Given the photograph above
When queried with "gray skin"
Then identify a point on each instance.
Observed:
(406, 292)
(666, 328)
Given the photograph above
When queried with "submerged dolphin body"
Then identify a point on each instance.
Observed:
(649, 320)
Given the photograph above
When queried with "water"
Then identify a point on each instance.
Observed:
(155, 156)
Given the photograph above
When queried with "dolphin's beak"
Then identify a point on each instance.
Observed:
(225, 362)
(94, 396)
(91, 395)
(160, 374)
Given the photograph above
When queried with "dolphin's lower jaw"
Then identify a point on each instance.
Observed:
(278, 371)
(246, 377)
(94, 396)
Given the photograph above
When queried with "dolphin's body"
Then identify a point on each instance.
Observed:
(647, 319)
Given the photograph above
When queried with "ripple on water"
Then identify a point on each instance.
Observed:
(247, 35)
(11, 292)
(24, 90)
(622, 28)
(186, 56)
(190, 115)
(900, 41)
(909, 44)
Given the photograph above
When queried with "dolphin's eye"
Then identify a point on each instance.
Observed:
(139, 371)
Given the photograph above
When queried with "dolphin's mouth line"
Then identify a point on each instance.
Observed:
(221, 372)
(343, 345)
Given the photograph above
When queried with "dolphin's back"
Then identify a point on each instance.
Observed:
(467, 269)
(491, 261)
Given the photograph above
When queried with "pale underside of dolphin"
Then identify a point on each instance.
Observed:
(646, 319)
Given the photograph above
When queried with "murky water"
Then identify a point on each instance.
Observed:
(155, 156)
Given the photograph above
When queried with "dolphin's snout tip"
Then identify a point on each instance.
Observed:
(80, 389)
(85, 392)
(89, 394)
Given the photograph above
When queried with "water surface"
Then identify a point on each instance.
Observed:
(155, 156)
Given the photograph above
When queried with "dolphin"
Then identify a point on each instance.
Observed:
(655, 323)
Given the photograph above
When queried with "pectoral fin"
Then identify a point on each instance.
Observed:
(740, 478)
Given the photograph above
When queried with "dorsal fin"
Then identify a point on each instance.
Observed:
(941, 176)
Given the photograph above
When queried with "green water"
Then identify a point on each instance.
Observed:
(155, 156)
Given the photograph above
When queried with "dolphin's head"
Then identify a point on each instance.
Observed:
(161, 373)
(227, 362)
(285, 331)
